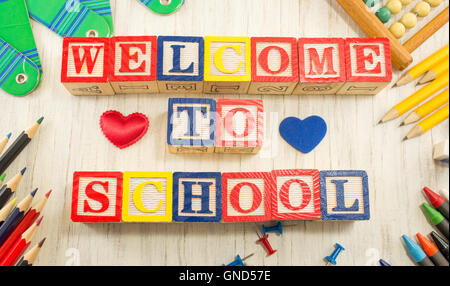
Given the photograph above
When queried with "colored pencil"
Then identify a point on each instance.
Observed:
(7, 190)
(14, 218)
(29, 218)
(18, 145)
(2, 179)
(20, 246)
(431, 251)
(441, 244)
(436, 71)
(423, 66)
(416, 98)
(3, 142)
(29, 257)
(6, 210)
(437, 201)
(428, 123)
(427, 108)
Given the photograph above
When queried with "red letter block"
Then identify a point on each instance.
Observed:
(296, 194)
(239, 126)
(133, 64)
(369, 67)
(246, 196)
(274, 65)
(85, 66)
(97, 197)
(322, 65)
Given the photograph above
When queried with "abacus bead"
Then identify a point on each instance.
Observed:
(406, 2)
(409, 20)
(434, 3)
(422, 9)
(397, 29)
(370, 3)
(384, 14)
(395, 6)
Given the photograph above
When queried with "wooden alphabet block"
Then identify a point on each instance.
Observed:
(191, 125)
(197, 197)
(322, 65)
(147, 197)
(97, 197)
(344, 195)
(227, 65)
(133, 64)
(440, 151)
(85, 66)
(368, 65)
(180, 64)
(274, 65)
(296, 194)
(240, 126)
(246, 196)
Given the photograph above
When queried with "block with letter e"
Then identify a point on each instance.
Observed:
(296, 194)
(197, 197)
(322, 65)
(180, 64)
(368, 65)
(85, 66)
(147, 197)
(191, 125)
(97, 197)
(133, 64)
(274, 65)
(344, 195)
(227, 65)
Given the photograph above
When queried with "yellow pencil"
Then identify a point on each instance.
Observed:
(423, 67)
(416, 98)
(428, 123)
(427, 108)
(436, 71)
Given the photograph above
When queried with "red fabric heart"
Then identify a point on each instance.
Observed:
(123, 131)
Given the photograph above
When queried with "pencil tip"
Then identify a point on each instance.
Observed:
(33, 193)
(41, 242)
(403, 123)
(13, 202)
(39, 221)
(2, 177)
(381, 121)
(23, 171)
(9, 135)
(395, 85)
(48, 194)
(405, 138)
(40, 120)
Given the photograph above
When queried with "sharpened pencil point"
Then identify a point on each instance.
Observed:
(40, 120)
(48, 194)
(23, 171)
(405, 138)
(395, 85)
(9, 135)
(39, 221)
(401, 124)
(381, 121)
(2, 177)
(33, 193)
(41, 242)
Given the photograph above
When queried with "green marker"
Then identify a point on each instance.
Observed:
(436, 218)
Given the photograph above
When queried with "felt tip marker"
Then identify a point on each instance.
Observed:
(416, 252)
(436, 218)
(431, 251)
(437, 201)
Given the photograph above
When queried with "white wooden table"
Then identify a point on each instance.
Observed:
(70, 140)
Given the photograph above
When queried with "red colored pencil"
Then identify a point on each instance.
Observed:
(29, 218)
(20, 246)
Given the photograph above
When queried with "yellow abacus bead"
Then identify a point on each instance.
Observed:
(409, 20)
(406, 2)
(397, 29)
(422, 9)
(434, 3)
(395, 6)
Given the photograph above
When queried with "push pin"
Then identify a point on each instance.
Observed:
(332, 259)
(265, 241)
(239, 261)
(276, 228)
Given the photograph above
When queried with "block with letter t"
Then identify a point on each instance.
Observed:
(85, 66)
(197, 197)
(191, 125)
(180, 64)
(133, 64)
(344, 195)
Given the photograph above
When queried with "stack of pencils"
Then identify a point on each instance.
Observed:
(435, 71)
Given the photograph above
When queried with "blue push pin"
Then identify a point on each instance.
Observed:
(384, 263)
(332, 259)
(276, 228)
(238, 261)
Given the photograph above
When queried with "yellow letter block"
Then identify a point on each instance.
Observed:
(227, 65)
(147, 197)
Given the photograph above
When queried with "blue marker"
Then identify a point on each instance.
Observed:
(238, 261)
(383, 263)
(416, 252)
(332, 259)
(276, 228)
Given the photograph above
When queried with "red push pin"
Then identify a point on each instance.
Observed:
(265, 241)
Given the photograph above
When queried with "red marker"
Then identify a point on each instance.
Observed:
(437, 201)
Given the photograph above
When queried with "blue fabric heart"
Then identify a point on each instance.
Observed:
(303, 135)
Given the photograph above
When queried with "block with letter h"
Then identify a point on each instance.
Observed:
(191, 125)
(147, 197)
(274, 65)
(85, 66)
(322, 65)
(344, 195)
(180, 64)
(368, 65)
(240, 126)
(133, 64)
(227, 65)
(197, 197)
(97, 197)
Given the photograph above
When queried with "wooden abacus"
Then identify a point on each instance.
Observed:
(373, 27)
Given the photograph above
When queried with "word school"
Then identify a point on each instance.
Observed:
(296, 194)
(225, 65)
